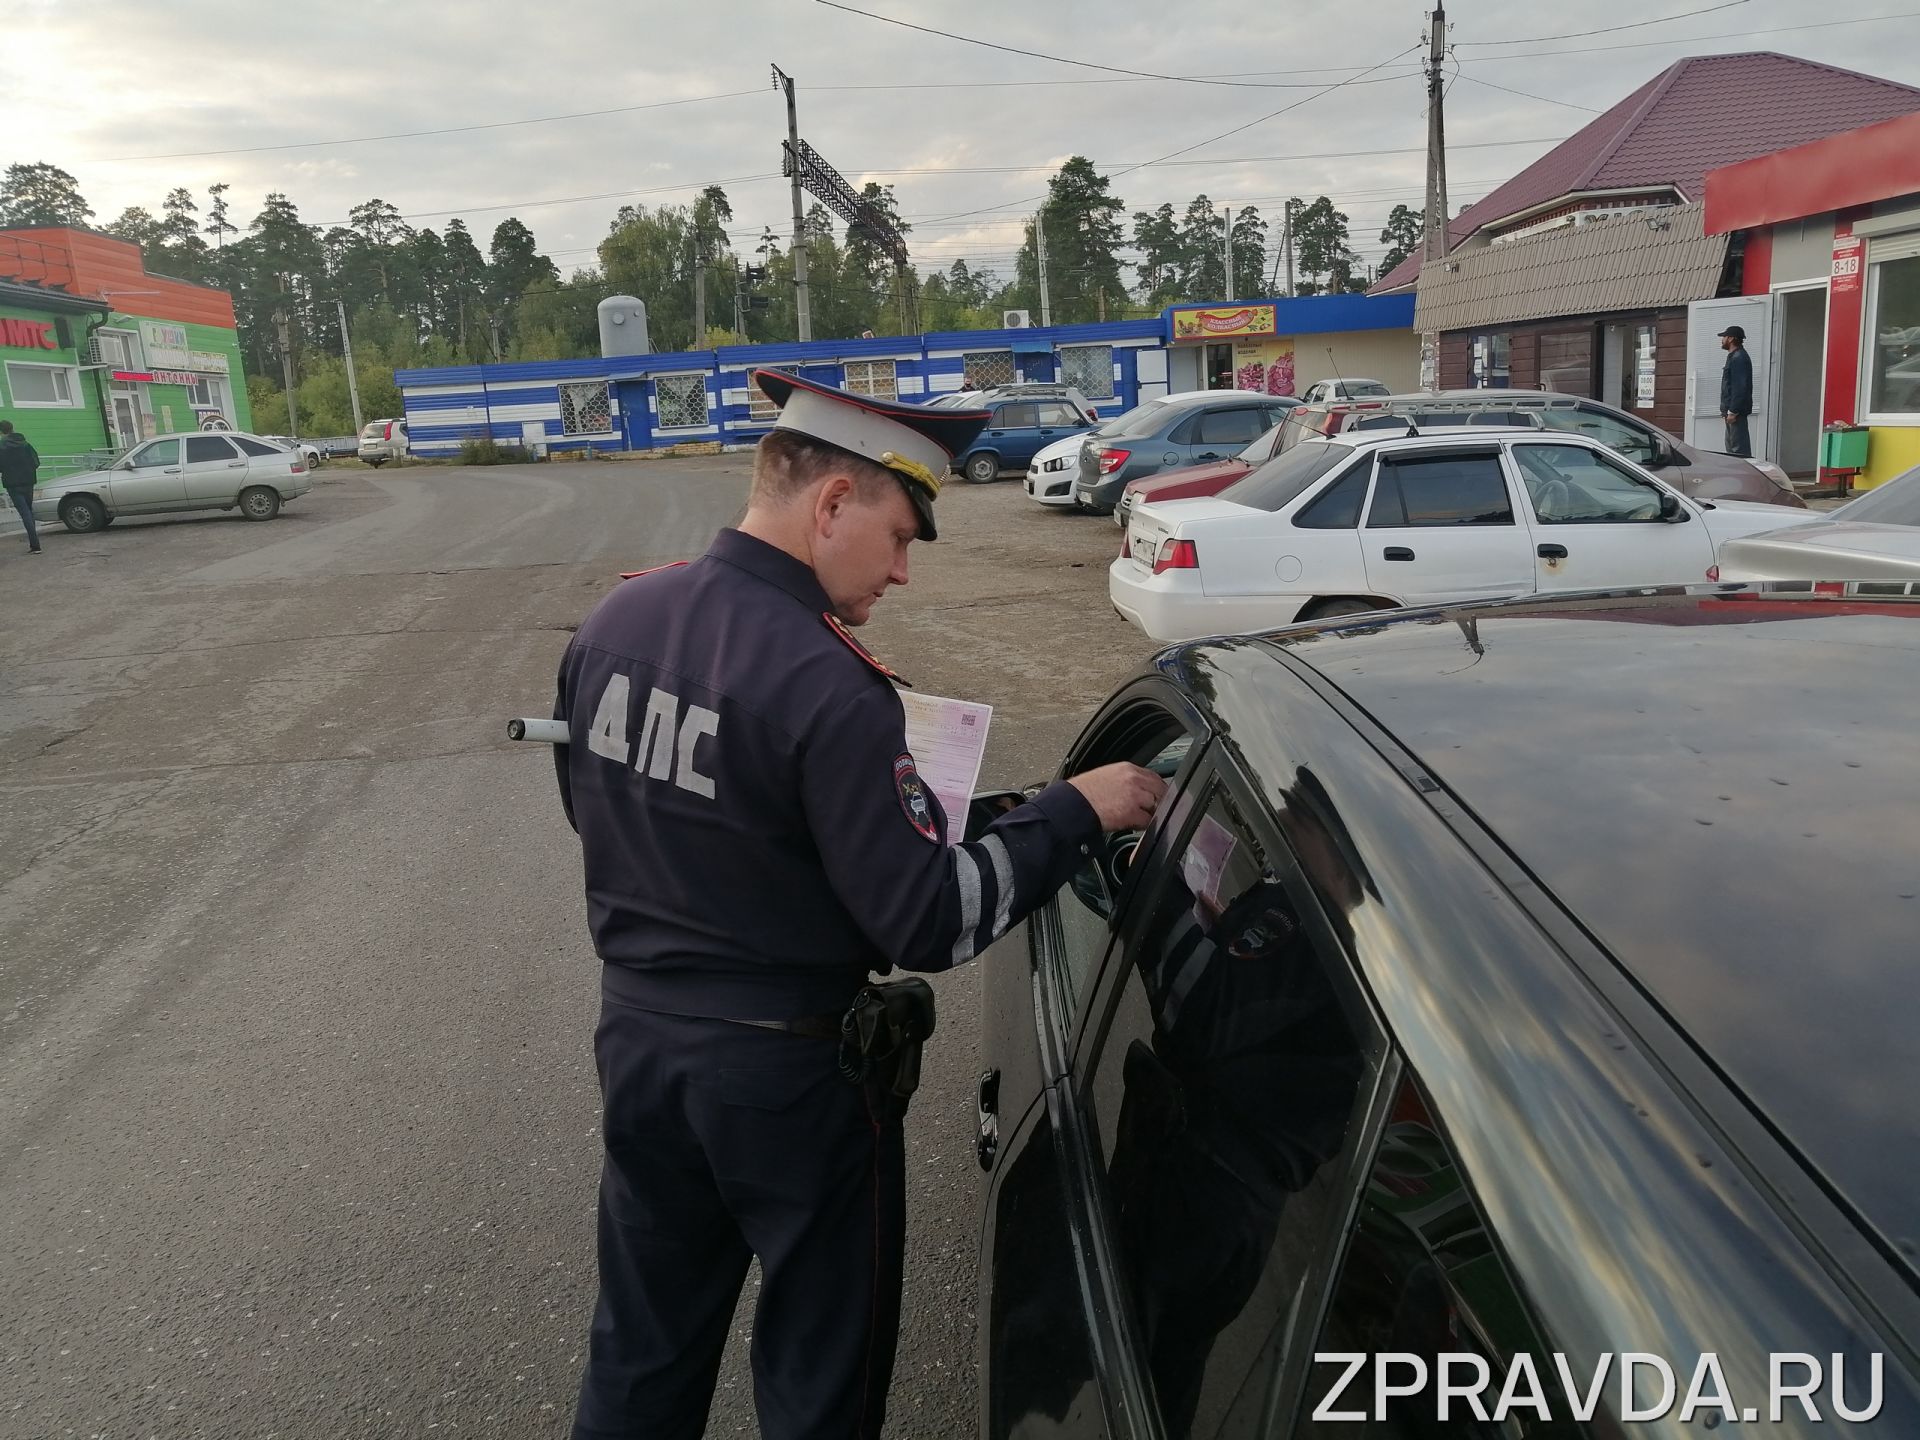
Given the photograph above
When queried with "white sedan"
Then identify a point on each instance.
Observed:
(1366, 521)
(1050, 475)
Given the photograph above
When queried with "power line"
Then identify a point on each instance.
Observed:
(1127, 79)
(1211, 160)
(571, 200)
(417, 134)
(1610, 29)
(1681, 39)
(1523, 94)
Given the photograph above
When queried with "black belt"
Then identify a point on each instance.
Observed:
(814, 1027)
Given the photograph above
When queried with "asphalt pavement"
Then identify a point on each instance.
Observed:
(298, 1121)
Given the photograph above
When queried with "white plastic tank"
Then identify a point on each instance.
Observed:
(623, 326)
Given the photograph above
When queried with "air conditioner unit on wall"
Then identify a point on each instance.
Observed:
(1016, 319)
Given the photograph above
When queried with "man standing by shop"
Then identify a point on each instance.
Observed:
(1736, 391)
(19, 469)
(757, 840)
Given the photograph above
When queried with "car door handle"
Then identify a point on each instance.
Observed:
(988, 1142)
(236, 464)
(1208, 455)
(1553, 552)
(171, 470)
(1397, 552)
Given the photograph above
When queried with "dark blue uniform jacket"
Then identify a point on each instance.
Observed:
(1736, 383)
(756, 839)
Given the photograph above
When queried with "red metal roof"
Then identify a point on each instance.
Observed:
(1856, 167)
(1699, 114)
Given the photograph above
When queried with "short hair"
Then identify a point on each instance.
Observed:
(6, 427)
(787, 464)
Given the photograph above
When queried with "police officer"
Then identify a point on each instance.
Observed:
(757, 840)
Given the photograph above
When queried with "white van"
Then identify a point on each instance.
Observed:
(383, 440)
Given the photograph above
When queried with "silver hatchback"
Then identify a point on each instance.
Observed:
(197, 470)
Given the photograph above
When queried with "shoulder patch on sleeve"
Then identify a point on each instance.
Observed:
(914, 797)
(655, 570)
(839, 627)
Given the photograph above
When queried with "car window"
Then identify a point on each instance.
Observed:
(1022, 416)
(1378, 420)
(1632, 441)
(255, 447)
(1089, 904)
(1057, 412)
(159, 452)
(204, 448)
(1895, 503)
(1231, 427)
(1367, 387)
(1338, 506)
(1572, 485)
(1442, 489)
(1279, 481)
(1295, 428)
(1228, 1095)
(374, 430)
(1421, 1277)
(1262, 449)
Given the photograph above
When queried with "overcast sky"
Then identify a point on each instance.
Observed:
(100, 87)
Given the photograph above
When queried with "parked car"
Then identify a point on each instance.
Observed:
(1020, 429)
(1515, 982)
(1054, 468)
(1703, 474)
(1874, 539)
(192, 470)
(308, 450)
(957, 400)
(1355, 389)
(383, 440)
(1210, 425)
(1022, 390)
(1373, 520)
(1194, 481)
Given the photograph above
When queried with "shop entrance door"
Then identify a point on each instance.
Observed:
(1799, 378)
(1705, 320)
(126, 421)
(1220, 367)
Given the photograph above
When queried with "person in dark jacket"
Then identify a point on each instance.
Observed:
(1736, 391)
(19, 469)
(757, 839)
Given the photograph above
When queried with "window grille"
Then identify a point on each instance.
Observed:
(586, 408)
(681, 401)
(1089, 369)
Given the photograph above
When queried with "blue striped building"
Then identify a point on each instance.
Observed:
(644, 402)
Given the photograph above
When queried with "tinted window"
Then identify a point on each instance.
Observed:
(160, 452)
(1279, 481)
(1338, 506)
(1633, 441)
(1225, 1094)
(1141, 420)
(255, 447)
(1421, 1277)
(204, 448)
(1895, 503)
(1440, 490)
(1231, 427)
(1572, 485)
(1016, 417)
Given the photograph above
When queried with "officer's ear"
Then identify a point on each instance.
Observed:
(834, 497)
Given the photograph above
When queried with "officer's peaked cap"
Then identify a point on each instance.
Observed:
(913, 441)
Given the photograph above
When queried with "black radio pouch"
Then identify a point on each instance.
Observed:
(881, 1036)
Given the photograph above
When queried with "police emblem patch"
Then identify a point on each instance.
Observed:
(915, 799)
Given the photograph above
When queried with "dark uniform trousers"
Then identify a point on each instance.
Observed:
(725, 1141)
(756, 842)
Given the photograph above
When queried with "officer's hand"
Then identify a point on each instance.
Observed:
(1123, 796)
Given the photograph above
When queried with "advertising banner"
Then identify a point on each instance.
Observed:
(1226, 322)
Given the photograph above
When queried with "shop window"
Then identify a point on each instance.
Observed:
(1491, 361)
(1089, 369)
(681, 401)
(43, 386)
(586, 408)
(761, 410)
(983, 369)
(872, 377)
(1643, 366)
(1893, 328)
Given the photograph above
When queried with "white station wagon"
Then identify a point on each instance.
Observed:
(196, 470)
(1365, 521)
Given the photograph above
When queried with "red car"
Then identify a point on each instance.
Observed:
(1198, 480)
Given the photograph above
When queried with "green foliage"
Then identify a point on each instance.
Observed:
(1405, 229)
(488, 451)
(41, 194)
(1081, 222)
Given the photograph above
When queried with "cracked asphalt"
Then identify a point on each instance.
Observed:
(298, 1122)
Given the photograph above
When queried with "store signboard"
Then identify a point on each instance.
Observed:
(165, 344)
(1226, 322)
(209, 362)
(1847, 253)
(18, 334)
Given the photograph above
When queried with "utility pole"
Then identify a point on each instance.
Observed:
(699, 297)
(803, 318)
(1103, 304)
(346, 351)
(1227, 211)
(1286, 240)
(1040, 254)
(1436, 236)
(283, 325)
(739, 300)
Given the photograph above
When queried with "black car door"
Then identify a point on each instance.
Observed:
(1041, 1361)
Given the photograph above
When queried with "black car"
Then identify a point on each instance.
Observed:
(1503, 983)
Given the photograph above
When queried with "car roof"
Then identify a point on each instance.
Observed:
(1202, 397)
(1719, 784)
(1447, 435)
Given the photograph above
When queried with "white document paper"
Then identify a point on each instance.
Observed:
(948, 740)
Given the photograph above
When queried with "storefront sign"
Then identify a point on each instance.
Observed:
(175, 377)
(210, 362)
(1227, 322)
(165, 344)
(1848, 252)
(132, 377)
(28, 334)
